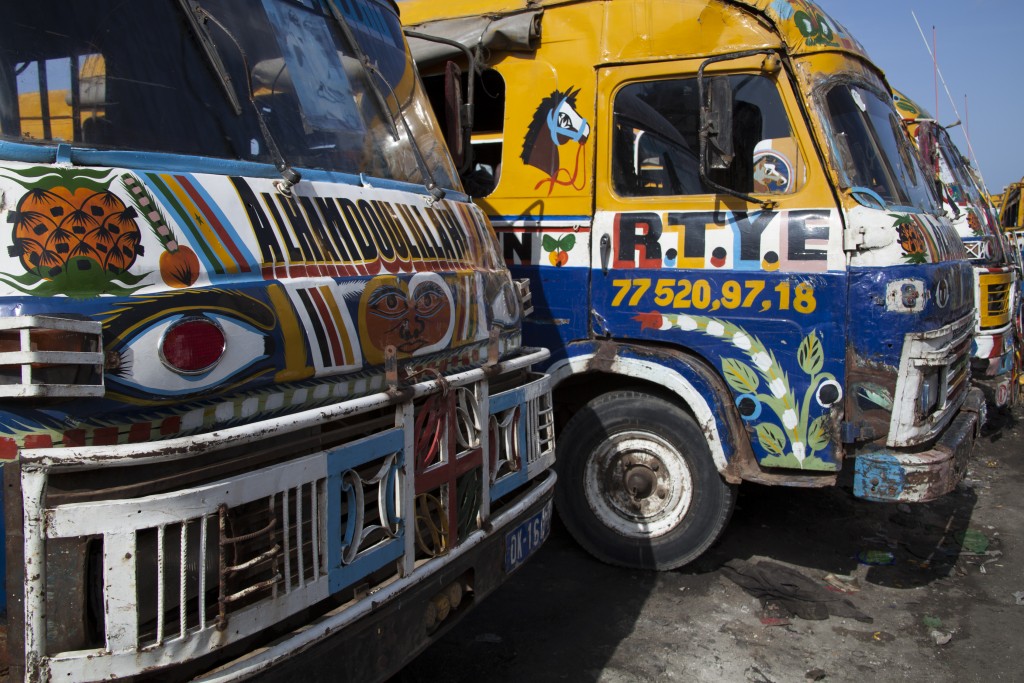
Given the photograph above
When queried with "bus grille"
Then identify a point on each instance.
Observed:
(933, 382)
(187, 571)
(996, 293)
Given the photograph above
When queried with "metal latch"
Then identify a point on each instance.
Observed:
(606, 252)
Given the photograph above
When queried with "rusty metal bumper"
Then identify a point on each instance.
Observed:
(888, 476)
(398, 623)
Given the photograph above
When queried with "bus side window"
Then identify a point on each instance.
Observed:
(655, 141)
(487, 140)
(652, 154)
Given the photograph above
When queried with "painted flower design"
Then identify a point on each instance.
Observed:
(558, 248)
(764, 395)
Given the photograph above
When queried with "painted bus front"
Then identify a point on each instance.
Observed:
(994, 366)
(740, 264)
(265, 408)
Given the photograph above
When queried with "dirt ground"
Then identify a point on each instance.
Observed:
(942, 584)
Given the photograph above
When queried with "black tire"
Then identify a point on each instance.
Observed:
(637, 486)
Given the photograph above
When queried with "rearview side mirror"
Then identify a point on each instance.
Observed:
(716, 123)
(456, 131)
(717, 151)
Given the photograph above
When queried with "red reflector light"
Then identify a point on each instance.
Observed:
(192, 345)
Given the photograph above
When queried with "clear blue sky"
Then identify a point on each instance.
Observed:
(978, 45)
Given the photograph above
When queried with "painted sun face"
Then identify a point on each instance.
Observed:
(416, 317)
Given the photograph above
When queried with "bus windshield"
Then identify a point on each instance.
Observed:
(873, 149)
(147, 76)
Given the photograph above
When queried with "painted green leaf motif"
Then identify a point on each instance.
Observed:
(816, 463)
(817, 437)
(787, 461)
(811, 355)
(740, 376)
(78, 287)
(48, 177)
(777, 405)
(567, 242)
(878, 395)
(550, 243)
(771, 437)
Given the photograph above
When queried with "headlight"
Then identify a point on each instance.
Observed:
(928, 398)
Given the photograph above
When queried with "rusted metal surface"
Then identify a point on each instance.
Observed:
(230, 545)
(276, 551)
(888, 476)
(39, 344)
(604, 357)
(871, 385)
(14, 627)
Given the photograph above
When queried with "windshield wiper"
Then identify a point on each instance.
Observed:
(198, 16)
(193, 11)
(370, 68)
(364, 60)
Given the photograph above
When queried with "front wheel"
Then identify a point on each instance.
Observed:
(637, 486)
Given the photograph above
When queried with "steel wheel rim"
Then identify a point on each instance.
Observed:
(638, 484)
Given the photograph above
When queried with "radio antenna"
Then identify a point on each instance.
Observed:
(938, 73)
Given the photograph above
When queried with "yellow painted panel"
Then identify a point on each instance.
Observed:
(996, 291)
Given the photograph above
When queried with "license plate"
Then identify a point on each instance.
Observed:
(523, 541)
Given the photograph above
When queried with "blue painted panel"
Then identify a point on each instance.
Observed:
(878, 476)
(342, 498)
(877, 333)
(508, 483)
(512, 480)
(506, 400)
(561, 307)
(778, 340)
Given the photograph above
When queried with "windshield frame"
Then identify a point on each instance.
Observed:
(972, 198)
(908, 185)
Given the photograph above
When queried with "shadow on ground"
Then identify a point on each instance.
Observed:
(557, 619)
(564, 614)
(831, 531)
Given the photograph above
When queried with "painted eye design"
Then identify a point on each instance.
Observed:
(187, 354)
(416, 317)
(429, 299)
(434, 310)
(389, 302)
(828, 394)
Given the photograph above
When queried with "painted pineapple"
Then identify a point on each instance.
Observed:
(59, 228)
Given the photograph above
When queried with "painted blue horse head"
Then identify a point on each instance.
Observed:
(555, 122)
